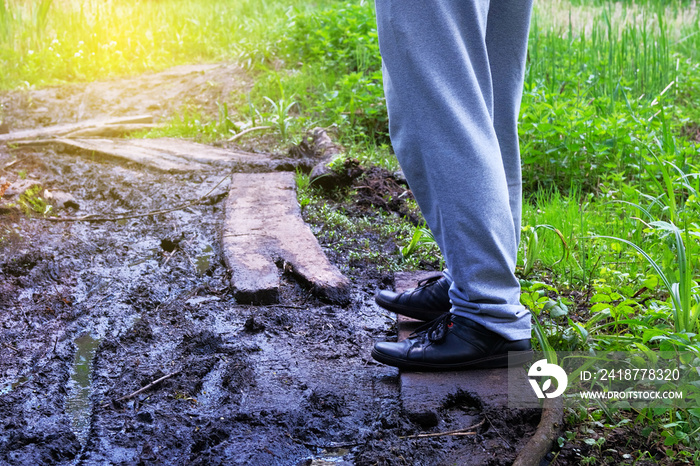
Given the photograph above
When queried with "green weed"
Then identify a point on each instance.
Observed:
(303, 183)
(530, 240)
(280, 116)
(421, 235)
(32, 203)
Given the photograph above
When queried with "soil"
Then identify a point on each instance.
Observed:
(93, 312)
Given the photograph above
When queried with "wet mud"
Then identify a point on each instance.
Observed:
(121, 342)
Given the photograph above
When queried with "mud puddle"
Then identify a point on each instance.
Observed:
(91, 313)
(78, 404)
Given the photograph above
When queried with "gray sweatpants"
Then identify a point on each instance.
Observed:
(453, 77)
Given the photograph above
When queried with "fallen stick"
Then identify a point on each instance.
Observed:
(464, 431)
(14, 162)
(246, 131)
(170, 257)
(9, 346)
(141, 390)
(496, 430)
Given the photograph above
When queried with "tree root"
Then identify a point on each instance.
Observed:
(549, 428)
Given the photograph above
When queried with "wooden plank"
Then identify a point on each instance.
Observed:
(125, 150)
(263, 227)
(67, 128)
(166, 154)
(201, 153)
(111, 131)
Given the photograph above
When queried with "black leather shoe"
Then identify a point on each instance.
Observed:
(452, 343)
(427, 302)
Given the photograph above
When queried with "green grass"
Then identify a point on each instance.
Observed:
(360, 241)
(602, 84)
(49, 42)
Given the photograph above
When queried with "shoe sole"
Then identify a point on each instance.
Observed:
(513, 358)
(408, 311)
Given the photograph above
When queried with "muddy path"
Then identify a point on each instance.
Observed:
(158, 94)
(93, 312)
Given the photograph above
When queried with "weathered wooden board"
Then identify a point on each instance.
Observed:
(263, 227)
(200, 153)
(124, 149)
(166, 154)
(111, 131)
(93, 126)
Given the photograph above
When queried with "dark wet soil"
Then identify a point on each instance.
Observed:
(90, 313)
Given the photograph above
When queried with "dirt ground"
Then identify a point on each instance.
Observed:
(90, 313)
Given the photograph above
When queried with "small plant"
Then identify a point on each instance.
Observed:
(686, 306)
(303, 182)
(280, 116)
(534, 297)
(32, 203)
(225, 127)
(532, 247)
(421, 235)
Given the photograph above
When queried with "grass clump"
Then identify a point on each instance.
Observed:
(365, 241)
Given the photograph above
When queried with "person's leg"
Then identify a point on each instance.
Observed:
(506, 42)
(440, 96)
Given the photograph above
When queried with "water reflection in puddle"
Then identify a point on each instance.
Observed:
(331, 457)
(5, 389)
(78, 401)
(203, 261)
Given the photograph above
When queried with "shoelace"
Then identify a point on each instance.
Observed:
(428, 281)
(434, 331)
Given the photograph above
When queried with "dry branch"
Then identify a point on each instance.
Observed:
(150, 385)
(246, 131)
(463, 431)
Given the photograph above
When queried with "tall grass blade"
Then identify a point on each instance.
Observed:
(541, 335)
(670, 287)
(637, 206)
